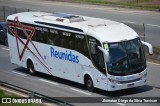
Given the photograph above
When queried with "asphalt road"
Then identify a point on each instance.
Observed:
(151, 19)
(56, 87)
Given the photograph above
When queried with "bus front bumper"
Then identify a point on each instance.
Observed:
(114, 86)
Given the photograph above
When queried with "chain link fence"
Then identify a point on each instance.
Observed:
(138, 27)
(6, 11)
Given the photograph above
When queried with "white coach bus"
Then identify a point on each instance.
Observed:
(96, 52)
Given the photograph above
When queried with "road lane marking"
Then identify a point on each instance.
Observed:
(153, 25)
(122, 104)
(153, 63)
(80, 91)
(5, 49)
(145, 24)
(142, 36)
(19, 73)
(129, 22)
(48, 81)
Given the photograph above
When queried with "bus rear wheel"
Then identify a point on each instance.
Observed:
(30, 68)
(89, 84)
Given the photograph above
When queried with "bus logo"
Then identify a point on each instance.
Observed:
(64, 55)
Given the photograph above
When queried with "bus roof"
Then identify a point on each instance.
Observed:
(102, 29)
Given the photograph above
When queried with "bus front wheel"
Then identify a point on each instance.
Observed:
(30, 67)
(89, 83)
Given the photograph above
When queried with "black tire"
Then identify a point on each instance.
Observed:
(89, 84)
(30, 68)
(6, 41)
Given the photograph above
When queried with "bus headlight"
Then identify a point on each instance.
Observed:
(114, 81)
(144, 76)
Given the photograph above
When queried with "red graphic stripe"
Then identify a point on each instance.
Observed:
(16, 24)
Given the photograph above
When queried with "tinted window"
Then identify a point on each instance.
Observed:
(2, 33)
(81, 45)
(1, 29)
(29, 32)
(53, 37)
(10, 31)
(21, 34)
(3, 26)
(41, 34)
(65, 39)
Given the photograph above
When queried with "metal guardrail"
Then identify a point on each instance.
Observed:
(33, 94)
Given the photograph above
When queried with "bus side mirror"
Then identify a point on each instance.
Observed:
(150, 49)
(106, 54)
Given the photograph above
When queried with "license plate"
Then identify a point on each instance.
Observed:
(131, 85)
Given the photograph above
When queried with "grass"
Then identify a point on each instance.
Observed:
(142, 4)
(6, 94)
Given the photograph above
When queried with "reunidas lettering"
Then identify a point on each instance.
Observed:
(64, 55)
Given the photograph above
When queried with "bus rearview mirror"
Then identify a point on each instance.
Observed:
(106, 54)
(150, 49)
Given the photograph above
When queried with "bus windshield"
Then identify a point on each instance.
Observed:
(126, 58)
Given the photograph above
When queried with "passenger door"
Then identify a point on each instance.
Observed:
(99, 69)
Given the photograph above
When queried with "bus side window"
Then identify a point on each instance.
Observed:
(81, 45)
(53, 37)
(96, 54)
(71, 44)
(63, 43)
(21, 34)
(67, 40)
(34, 35)
(57, 40)
(50, 41)
(41, 34)
(28, 33)
(10, 31)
